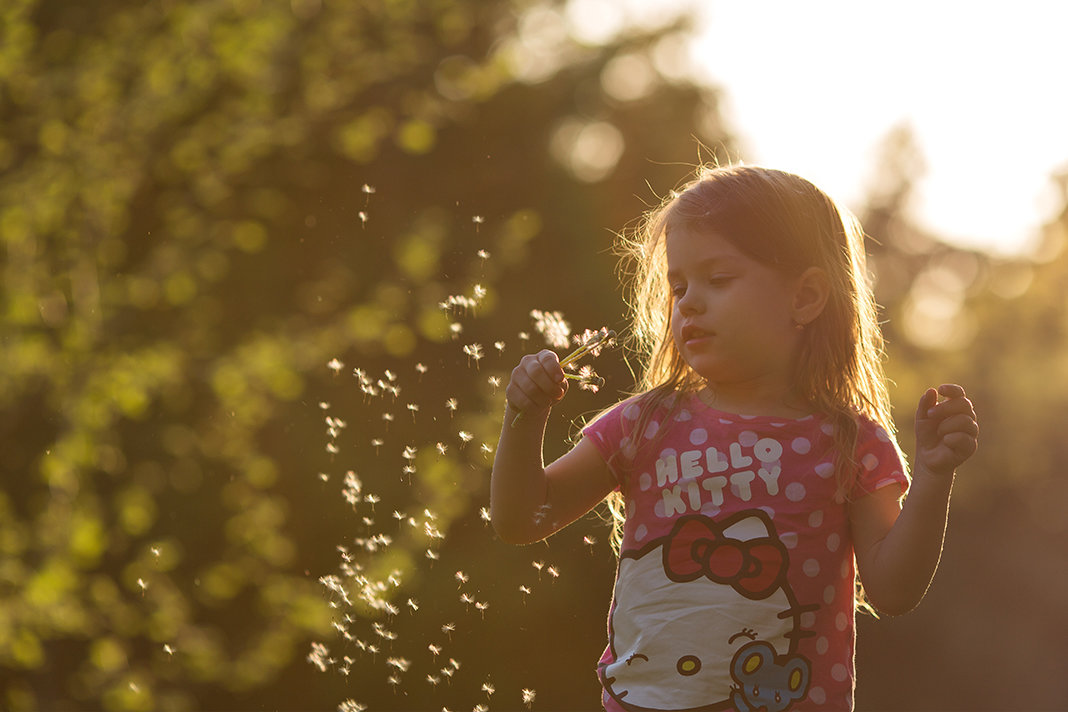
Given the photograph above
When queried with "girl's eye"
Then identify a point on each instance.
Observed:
(720, 279)
(677, 290)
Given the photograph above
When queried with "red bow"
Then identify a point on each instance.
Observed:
(697, 547)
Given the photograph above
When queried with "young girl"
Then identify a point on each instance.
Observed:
(756, 466)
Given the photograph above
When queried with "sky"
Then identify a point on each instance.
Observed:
(815, 86)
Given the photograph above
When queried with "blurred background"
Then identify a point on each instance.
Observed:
(266, 264)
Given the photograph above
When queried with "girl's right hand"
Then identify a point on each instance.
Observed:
(537, 382)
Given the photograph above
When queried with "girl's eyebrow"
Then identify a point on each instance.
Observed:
(714, 261)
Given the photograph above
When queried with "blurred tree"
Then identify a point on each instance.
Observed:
(995, 324)
(201, 205)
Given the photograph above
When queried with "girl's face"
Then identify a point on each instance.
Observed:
(732, 317)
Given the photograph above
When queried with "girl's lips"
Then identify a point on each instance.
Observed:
(692, 333)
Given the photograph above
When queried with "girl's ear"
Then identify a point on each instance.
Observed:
(810, 296)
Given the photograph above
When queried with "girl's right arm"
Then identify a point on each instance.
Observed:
(528, 500)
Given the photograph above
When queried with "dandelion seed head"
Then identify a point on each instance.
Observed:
(553, 328)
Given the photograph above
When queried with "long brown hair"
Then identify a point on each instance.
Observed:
(783, 221)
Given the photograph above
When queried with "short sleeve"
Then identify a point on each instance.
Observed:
(879, 460)
(610, 433)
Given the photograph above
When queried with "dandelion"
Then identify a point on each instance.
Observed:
(488, 688)
(452, 404)
(368, 189)
(465, 436)
(553, 328)
(499, 345)
(320, 657)
(434, 649)
(483, 255)
(528, 697)
(335, 366)
(473, 351)
(433, 680)
(461, 577)
(553, 572)
(442, 447)
(401, 664)
(414, 408)
(495, 382)
(432, 555)
(448, 629)
(481, 606)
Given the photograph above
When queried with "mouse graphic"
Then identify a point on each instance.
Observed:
(767, 681)
(689, 603)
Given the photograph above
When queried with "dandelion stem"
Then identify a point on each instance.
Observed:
(604, 338)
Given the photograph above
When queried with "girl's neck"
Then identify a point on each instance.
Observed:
(750, 399)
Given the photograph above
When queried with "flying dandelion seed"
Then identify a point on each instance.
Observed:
(499, 345)
(489, 689)
(483, 255)
(452, 404)
(363, 217)
(473, 351)
(368, 189)
(442, 447)
(420, 368)
(495, 382)
(351, 706)
(335, 366)
(168, 649)
(484, 513)
(528, 697)
(461, 577)
(553, 328)
(435, 650)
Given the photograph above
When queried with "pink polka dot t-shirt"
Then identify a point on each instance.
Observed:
(735, 583)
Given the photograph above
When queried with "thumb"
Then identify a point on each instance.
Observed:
(928, 400)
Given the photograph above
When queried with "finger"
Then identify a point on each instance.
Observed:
(547, 374)
(961, 444)
(927, 401)
(951, 407)
(958, 424)
(951, 390)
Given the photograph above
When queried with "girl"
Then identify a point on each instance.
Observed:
(756, 473)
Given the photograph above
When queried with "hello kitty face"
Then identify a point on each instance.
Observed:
(686, 603)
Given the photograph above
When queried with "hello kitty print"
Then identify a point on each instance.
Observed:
(735, 582)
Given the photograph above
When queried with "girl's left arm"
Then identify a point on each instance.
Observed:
(898, 546)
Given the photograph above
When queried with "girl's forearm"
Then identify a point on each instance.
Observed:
(907, 558)
(517, 485)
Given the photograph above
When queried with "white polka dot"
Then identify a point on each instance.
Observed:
(827, 429)
(658, 508)
(811, 567)
(651, 429)
(816, 518)
(825, 469)
(817, 695)
(808, 619)
(823, 645)
(833, 542)
(632, 411)
(789, 539)
(770, 512)
(725, 421)
(683, 415)
(847, 568)
(839, 672)
(828, 595)
(747, 438)
(801, 445)
(795, 491)
(778, 425)
(640, 533)
(748, 417)
(645, 481)
(870, 462)
(698, 436)
(628, 448)
(841, 622)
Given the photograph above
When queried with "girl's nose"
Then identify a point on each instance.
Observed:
(689, 303)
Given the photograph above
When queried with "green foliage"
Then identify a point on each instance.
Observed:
(202, 204)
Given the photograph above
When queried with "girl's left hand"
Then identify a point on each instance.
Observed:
(946, 432)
